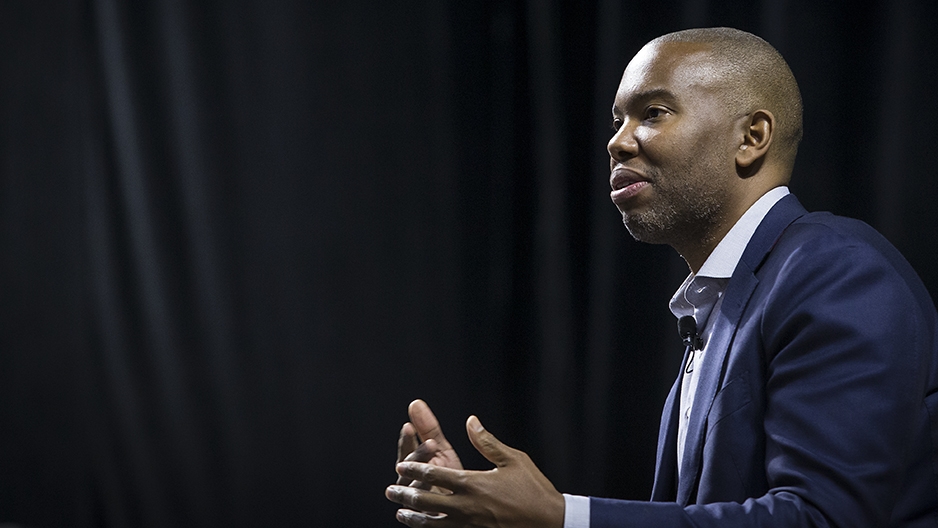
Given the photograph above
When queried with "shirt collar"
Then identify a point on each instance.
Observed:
(699, 293)
(723, 260)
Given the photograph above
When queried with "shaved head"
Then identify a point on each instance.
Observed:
(755, 77)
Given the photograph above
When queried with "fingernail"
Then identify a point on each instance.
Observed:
(475, 424)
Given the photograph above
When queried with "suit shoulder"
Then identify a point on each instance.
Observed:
(834, 227)
(828, 233)
(847, 245)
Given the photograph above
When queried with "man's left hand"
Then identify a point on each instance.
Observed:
(514, 493)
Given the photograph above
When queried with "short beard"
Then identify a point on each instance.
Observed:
(681, 215)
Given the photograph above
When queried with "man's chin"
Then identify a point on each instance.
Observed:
(644, 231)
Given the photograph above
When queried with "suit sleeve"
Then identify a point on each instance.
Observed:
(842, 347)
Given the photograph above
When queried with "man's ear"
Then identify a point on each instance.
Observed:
(757, 137)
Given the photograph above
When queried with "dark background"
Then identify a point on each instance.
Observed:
(238, 238)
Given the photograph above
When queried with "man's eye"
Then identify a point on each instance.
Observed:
(654, 113)
(616, 124)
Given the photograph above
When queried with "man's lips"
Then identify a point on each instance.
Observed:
(626, 183)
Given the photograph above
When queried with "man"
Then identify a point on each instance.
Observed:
(809, 391)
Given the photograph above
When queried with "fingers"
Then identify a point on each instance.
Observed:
(426, 427)
(491, 448)
(419, 500)
(406, 447)
(416, 519)
(430, 475)
(425, 422)
(424, 453)
(406, 442)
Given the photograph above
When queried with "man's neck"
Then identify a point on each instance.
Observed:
(697, 248)
(733, 239)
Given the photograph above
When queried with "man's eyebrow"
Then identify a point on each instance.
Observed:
(644, 96)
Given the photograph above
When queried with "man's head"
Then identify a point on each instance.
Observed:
(754, 75)
(706, 120)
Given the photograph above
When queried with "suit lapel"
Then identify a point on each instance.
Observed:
(724, 324)
(664, 488)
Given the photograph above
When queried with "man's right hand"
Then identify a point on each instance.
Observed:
(422, 440)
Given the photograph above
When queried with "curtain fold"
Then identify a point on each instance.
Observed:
(238, 238)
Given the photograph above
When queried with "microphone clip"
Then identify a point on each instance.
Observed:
(687, 329)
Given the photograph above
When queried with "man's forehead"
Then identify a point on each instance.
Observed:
(669, 66)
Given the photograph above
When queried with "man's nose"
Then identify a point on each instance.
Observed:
(623, 145)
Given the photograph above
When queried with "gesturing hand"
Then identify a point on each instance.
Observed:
(435, 449)
(514, 494)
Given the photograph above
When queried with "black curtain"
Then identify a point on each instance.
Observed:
(238, 238)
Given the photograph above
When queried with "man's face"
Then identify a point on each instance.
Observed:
(672, 158)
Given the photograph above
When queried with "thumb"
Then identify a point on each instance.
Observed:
(491, 448)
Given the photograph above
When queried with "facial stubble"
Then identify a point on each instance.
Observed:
(684, 211)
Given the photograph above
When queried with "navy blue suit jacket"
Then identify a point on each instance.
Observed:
(817, 404)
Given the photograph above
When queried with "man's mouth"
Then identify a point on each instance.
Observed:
(626, 183)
